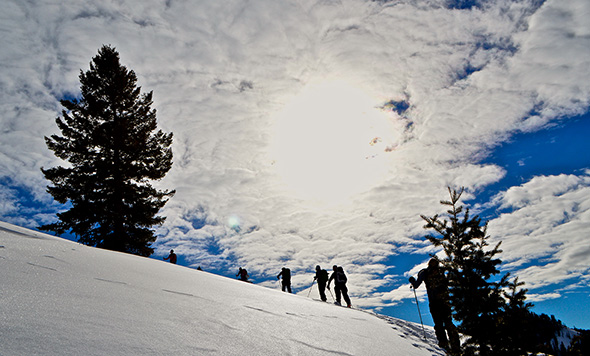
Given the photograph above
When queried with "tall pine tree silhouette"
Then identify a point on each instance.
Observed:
(114, 152)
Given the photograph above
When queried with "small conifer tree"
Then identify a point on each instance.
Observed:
(478, 303)
(110, 140)
(518, 334)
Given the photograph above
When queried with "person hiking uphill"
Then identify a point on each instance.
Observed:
(437, 288)
(243, 274)
(321, 276)
(171, 257)
(339, 285)
(286, 273)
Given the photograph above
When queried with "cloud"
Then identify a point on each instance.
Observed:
(222, 72)
(542, 297)
(544, 229)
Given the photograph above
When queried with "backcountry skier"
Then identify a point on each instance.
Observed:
(243, 274)
(437, 288)
(339, 285)
(171, 257)
(286, 274)
(321, 276)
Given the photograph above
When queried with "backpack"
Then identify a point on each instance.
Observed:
(340, 276)
(323, 276)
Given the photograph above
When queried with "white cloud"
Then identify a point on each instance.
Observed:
(222, 72)
(547, 226)
(542, 297)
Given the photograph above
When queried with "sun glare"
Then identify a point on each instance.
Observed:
(329, 142)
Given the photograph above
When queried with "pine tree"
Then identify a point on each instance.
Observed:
(477, 302)
(518, 330)
(110, 140)
(581, 344)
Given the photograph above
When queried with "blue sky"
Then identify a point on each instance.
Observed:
(311, 132)
(562, 148)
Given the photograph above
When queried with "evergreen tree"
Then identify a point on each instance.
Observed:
(110, 140)
(581, 344)
(519, 331)
(478, 303)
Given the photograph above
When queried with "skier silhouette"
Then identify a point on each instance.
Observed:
(339, 285)
(321, 276)
(437, 288)
(286, 274)
(171, 257)
(243, 274)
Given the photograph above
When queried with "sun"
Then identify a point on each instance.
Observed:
(329, 142)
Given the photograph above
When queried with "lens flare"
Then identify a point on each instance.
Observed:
(234, 222)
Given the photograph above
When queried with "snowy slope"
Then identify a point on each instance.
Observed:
(564, 337)
(62, 298)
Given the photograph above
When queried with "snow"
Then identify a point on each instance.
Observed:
(62, 298)
(565, 336)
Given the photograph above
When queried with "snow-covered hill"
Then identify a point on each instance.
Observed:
(58, 297)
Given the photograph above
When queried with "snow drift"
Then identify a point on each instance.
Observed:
(62, 298)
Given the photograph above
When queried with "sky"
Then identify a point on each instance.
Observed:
(317, 132)
(57, 299)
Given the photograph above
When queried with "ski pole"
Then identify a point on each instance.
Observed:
(419, 313)
(334, 300)
(308, 293)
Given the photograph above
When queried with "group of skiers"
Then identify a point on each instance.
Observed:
(436, 286)
(433, 277)
(321, 276)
